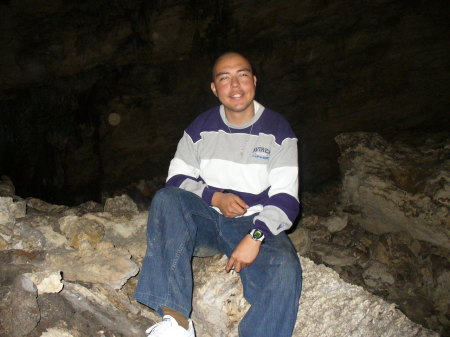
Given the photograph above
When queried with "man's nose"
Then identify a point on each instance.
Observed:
(234, 81)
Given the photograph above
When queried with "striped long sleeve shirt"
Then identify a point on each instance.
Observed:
(256, 161)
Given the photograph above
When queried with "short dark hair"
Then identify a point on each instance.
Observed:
(225, 54)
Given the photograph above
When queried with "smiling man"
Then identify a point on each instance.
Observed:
(232, 187)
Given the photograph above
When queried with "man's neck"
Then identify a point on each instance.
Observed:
(241, 117)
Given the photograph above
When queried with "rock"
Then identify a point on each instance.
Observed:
(378, 276)
(24, 309)
(7, 188)
(56, 332)
(328, 306)
(86, 207)
(6, 213)
(78, 229)
(218, 304)
(102, 312)
(27, 238)
(336, 223)
(99, 277)
(105, 264)
(53, 239)
(127, 231)
(121, 205)
(46, 282)
(393, 188)
(310, 221)
(301, 239)
(42, 206)
(334, 255)
(3, 243)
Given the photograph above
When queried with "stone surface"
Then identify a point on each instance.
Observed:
(393, 188)
(6, 214)
(42, 206)
(46, 282)
(218, 305)
(24, 310)
(56, 332)
(329, 306)
(78, 230)
(105, 264)
(121, 205)
(99, 282)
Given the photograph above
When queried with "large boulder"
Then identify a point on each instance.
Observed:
(396, 188)
(328, 306)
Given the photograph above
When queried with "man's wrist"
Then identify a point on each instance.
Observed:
(257, 235)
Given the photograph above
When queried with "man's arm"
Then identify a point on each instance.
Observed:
(279, 211)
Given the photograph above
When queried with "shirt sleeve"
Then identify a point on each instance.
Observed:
(184, 170)
(282, 207)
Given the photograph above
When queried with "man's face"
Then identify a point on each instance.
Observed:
(234, 83)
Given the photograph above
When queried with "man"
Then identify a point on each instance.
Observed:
(233, 188)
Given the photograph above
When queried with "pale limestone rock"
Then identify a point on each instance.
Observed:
(56, 332)
(102, 309)
(121, 205)
(218, 304)
(119, 227)
(128, 232)
(393, 188)
(19, 208)
(27, 238)
(335, 255)
(336, 223)
(3, 243)
(45, 207)
(24, 310)
(301, 239)
(103, 265)
(46, 282)
(378, 275)
(52, 238)
(329, 307)
(6, 214)
(78, 230)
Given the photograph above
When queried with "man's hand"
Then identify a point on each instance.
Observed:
(229, 204)
(244, 254)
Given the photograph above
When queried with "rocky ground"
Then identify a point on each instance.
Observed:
(71, 271)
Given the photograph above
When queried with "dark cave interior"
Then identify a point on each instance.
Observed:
(329, 67)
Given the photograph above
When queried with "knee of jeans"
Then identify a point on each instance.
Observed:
(289, 270)
(165, 195)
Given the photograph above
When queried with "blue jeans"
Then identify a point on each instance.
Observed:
(180, 224)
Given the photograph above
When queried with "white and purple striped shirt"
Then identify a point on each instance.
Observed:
(256, 161)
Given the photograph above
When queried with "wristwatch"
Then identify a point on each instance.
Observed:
(257, 235)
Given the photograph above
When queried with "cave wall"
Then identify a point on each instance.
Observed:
(95, 94)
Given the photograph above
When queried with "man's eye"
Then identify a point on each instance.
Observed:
(244, 74)
(223, 78)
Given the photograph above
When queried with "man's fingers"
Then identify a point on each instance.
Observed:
(241, 203)
(229, 264)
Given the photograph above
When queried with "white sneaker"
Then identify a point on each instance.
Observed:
(169, 327)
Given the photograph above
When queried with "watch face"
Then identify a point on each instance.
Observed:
(257, 234)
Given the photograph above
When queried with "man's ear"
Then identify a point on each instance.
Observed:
(213, 88)
(254, 80)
